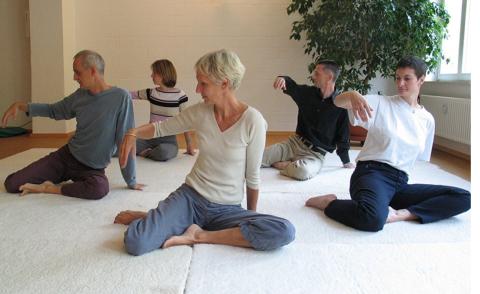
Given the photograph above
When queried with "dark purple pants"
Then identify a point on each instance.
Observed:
(59, 166)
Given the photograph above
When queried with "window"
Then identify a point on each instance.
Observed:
(456, 48)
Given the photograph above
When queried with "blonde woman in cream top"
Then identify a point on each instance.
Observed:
(207, 209)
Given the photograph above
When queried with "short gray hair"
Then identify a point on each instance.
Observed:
(222, 65)
(91, 59)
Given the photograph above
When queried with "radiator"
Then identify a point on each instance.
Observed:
(452, 117)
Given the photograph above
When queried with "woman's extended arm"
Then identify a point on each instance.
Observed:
(356, 102)
(128, 143)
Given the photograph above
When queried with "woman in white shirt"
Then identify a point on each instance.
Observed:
(400, 131)
(207, 208)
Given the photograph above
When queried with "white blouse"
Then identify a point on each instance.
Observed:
(398, 134)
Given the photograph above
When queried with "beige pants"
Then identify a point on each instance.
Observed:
(305, 163)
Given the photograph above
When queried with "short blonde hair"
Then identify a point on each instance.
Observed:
(222, 65)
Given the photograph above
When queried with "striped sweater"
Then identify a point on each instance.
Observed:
(163, 105)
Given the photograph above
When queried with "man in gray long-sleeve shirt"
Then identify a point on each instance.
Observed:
(103, 113)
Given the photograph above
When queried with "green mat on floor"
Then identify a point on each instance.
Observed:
(11, 131)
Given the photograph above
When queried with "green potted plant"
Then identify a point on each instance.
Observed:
(368, 37)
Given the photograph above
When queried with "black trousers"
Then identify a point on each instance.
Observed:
(374, 186)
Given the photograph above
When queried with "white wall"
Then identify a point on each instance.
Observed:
(384, 86)
(132, 34)
(460, 89)
(14, 56)
(52, 41)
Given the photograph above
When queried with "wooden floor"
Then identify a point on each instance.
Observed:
(14, 145)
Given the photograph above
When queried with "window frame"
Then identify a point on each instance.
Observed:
(459, 76)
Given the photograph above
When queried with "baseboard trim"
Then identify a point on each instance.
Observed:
(452, 147)
(51, 135)
(439, 147)
(452, 152)
(280, 133)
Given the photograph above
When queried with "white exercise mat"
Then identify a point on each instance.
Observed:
(56, 244)
(331, 269)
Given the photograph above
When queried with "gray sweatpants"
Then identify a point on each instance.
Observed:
(162, 148)
(185, 207)
(305, 163)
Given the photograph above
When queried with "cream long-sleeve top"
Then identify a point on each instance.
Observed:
(398, 134)
(227, 160)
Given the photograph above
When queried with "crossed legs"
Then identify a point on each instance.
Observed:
(158, 149)
(186, 218)
(194, 234)
(293, 159)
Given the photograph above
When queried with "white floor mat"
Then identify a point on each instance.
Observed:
(332, 269)
(53, 244)
(66, 245)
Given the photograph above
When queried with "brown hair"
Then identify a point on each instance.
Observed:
(415, 63)
(166, 70)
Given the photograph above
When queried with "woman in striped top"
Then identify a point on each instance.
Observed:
(165, 101)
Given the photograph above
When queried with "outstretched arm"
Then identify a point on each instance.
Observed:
(291, 88)
(13, 110)
(128, 145)
(356, 102)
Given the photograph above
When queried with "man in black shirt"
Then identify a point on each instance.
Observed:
(321, 126)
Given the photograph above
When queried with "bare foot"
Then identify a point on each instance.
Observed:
(349, 165)
(187, 238)
(281, 165)
(145, 152)
(321, 202)
(35, 188)
(399, 215)
(128, 216)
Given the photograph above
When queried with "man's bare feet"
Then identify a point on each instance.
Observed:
(281, 165)
(399, 215)
(321, 202)
(187, 238)
(127, 216)
(36, 188)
